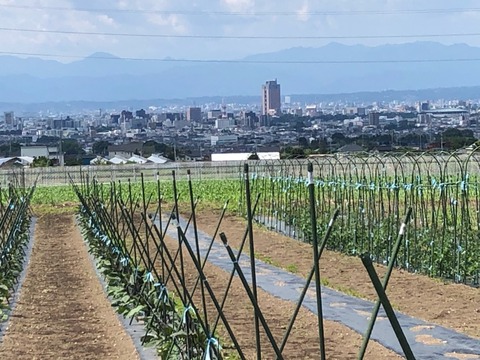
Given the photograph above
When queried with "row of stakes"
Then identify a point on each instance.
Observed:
(110, 211)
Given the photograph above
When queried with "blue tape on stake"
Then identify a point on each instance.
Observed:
(124, 261)
(185, 312)
(149, 277)
(163, 296)
(211, 342)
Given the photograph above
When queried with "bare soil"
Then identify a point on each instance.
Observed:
(62, 311)
(454, 306)
(341, 341)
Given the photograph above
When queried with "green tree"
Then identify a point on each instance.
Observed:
(100, 148)
(41, 161)
(302, 141)
(72, 147)
(293, 152)
(253, 156)
(8, 149)
(454, 138)
(152, 147)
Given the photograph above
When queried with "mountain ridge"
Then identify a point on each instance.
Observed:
(340, 69)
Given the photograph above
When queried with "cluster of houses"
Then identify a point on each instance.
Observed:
(130, 153)
(134, 159)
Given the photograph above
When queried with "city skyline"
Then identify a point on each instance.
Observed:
(231, 28)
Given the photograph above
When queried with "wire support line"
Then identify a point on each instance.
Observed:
(246, 61)
(250, 13)
(249, 37)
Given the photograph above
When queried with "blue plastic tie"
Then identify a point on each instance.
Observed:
(149, 277)
(163, 296)
(185, 312)
(210, 342)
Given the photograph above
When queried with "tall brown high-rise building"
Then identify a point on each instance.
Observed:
(194, 114)
(9, 118)
(271, 104)
(373, 118)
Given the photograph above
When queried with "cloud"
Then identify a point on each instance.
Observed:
(170, 22)
(105, 19)
(302, 12)
(239, 5)
(167, 17)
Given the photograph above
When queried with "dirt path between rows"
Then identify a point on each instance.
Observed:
(341, 342)
(62, 311)
(454, 306)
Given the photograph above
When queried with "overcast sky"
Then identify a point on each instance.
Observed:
(210, 17)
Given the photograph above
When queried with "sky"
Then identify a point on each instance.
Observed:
(25, 25)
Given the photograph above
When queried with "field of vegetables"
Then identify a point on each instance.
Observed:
(372, 195)
(14, 239)
(157, 268)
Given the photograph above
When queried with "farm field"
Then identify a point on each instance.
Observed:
(455, 306)
(62, 311)
(170, 250)
(343, 343)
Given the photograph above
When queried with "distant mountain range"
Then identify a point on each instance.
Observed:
(104, 78)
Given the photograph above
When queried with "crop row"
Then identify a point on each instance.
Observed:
(443, 240)
(14, 239)
(128, 248)
(444, 237)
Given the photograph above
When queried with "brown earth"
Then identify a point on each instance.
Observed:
(341, 342)
(62, 311)
(451, 305)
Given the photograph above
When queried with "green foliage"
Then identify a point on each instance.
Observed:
(456, 138)
(100, 148)
(54, 195)
(210, 192)
(152, 147)
(442, 240)
(12, 248)
(135, 294)
(10, 149)
(72, 147)
(41, 161)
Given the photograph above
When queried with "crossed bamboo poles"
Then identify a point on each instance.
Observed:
(113, 213)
